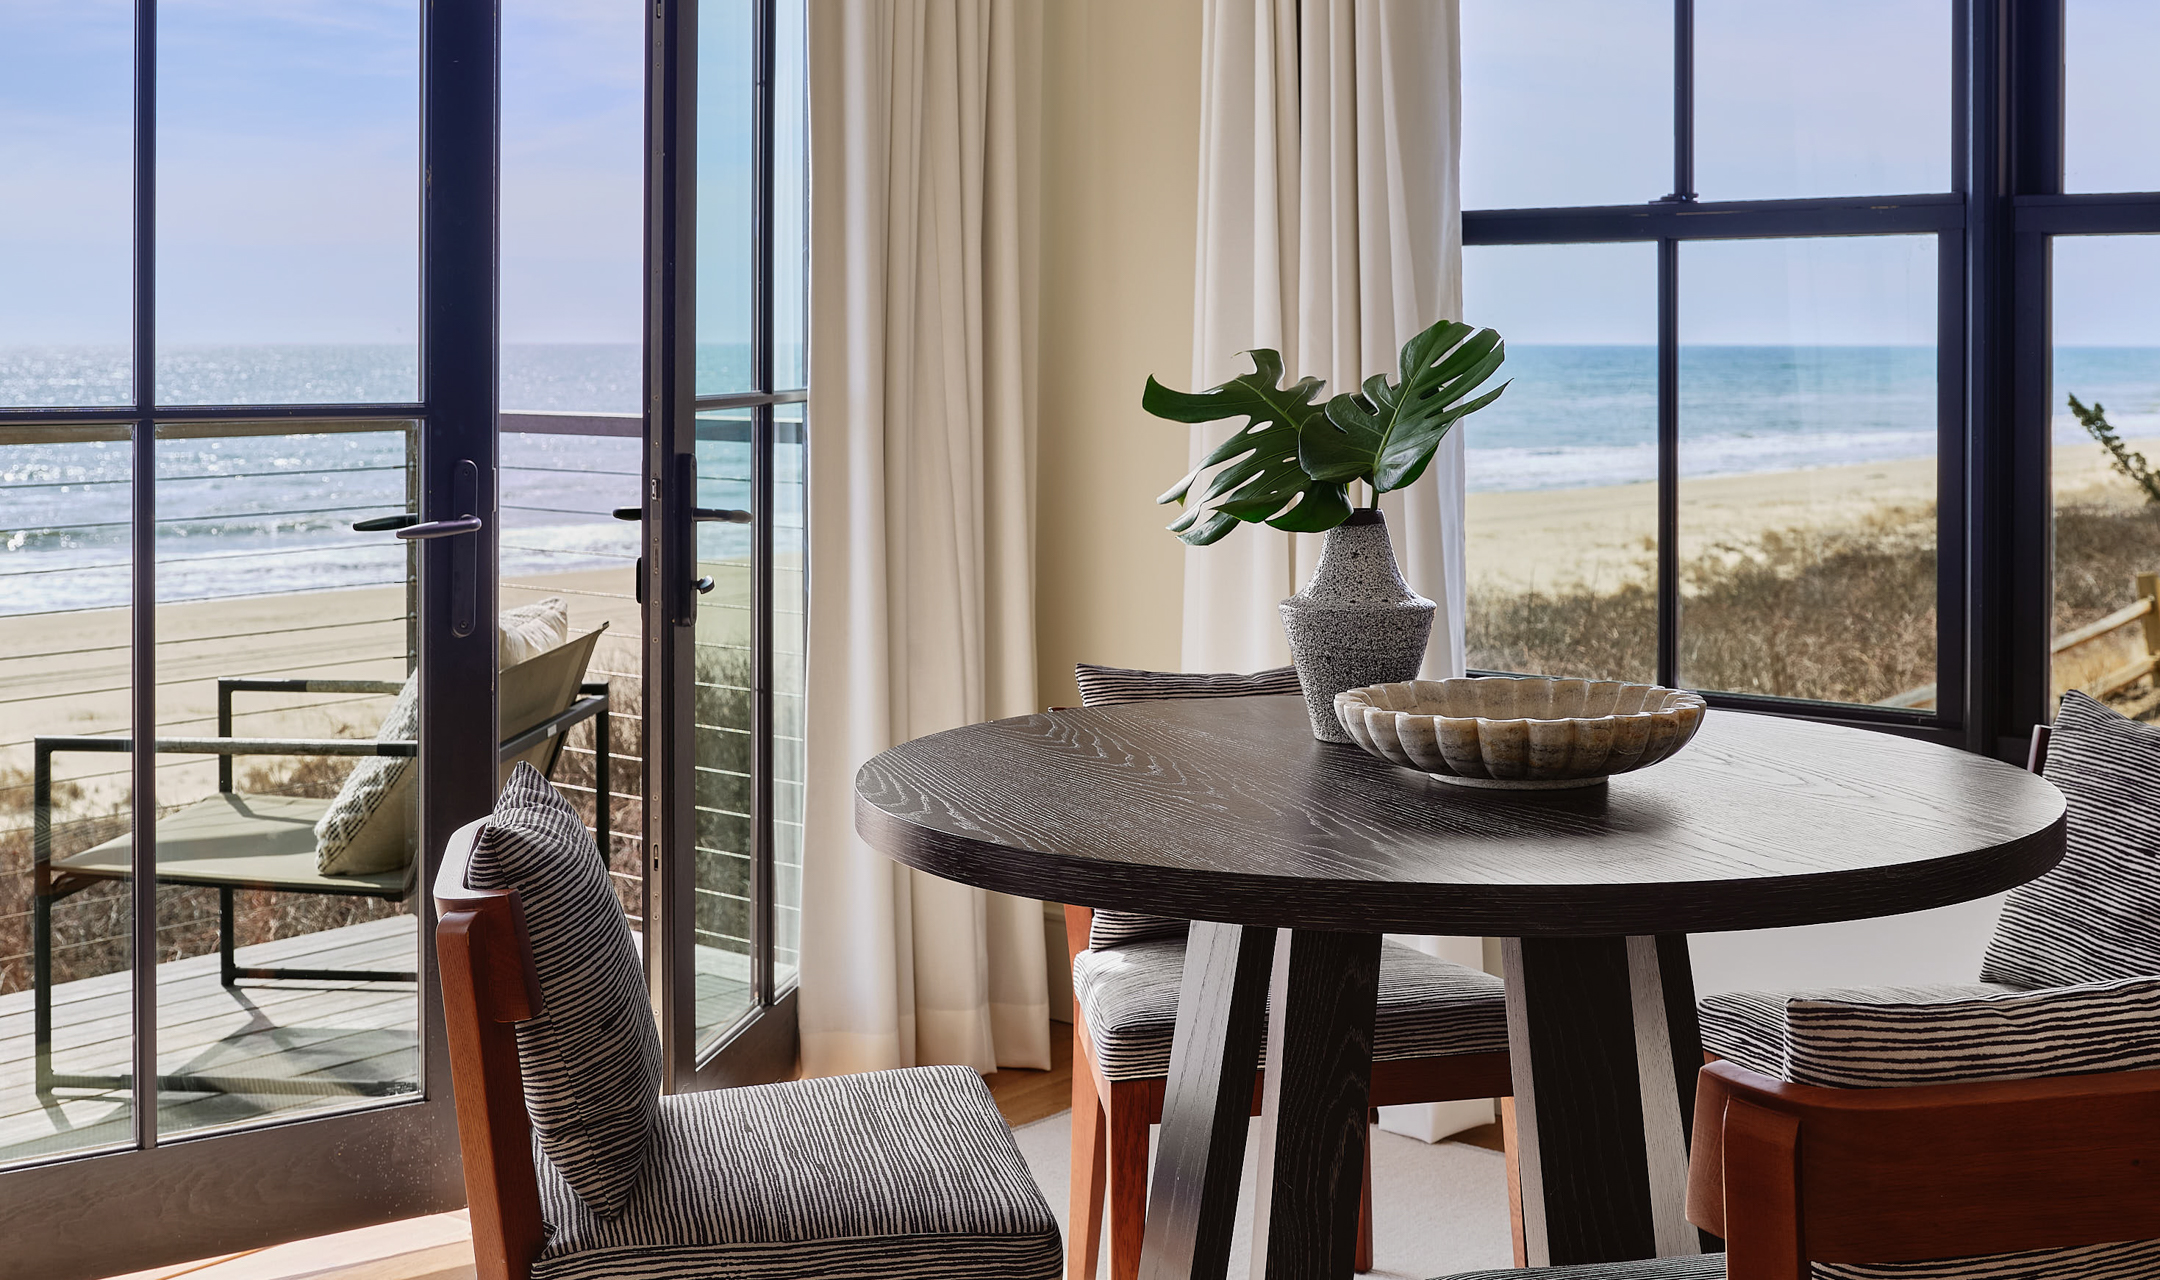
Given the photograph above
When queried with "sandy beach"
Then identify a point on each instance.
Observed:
(1606, 536)
(67, 673)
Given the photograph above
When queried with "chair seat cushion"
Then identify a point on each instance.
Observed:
(242, 841)
(887, 1174)
(1428, 1008)
(1707, 1266)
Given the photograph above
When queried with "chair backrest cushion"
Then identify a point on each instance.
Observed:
(591, 1059)
(1110, 686)
(539, 689)
(369, 826)
(1861, 1040)
(2097, 914)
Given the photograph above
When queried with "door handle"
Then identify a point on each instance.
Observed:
(440, 529)
(702, 515)
(379, 524)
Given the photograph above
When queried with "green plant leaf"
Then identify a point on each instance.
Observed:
(1387, 433)
(1260, 477)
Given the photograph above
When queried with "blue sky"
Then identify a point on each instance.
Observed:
(289, 153)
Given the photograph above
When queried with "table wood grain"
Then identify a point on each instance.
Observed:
(1229, 810)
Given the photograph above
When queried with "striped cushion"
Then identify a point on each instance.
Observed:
(2138, 1260)
(1116, 928)
(591, 1060)
(1892, 1036)
(1706, 1266)
(1748, 1027)
(1110, 686)
(890, 1174)
(2094, 916)
(1428, 1007)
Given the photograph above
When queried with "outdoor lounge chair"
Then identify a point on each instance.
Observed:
(237, 840)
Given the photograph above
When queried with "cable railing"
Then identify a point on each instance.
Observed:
(260, 576)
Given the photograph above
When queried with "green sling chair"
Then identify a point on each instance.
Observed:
(234, 840)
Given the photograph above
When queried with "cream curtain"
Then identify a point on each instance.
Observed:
(922, 317)
(1330, 230)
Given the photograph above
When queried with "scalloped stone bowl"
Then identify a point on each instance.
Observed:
(1521, 732)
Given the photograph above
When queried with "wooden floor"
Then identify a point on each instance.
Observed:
(279, 1047)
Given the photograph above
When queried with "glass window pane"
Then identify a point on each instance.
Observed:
(288, 201)
(1562, 468)
(260, 577)
(2107, 524)
(64, 673)
(573, 213)
(723, 880)
(791, 202)
(66, 187)
(1830, 98)
(2111, 99)
(560, 540)
(723, 196)
(791, 610)
(1807, 468)
(1566, 102)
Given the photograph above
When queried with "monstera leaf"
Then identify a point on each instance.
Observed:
(1263, 479)
(1387, 435)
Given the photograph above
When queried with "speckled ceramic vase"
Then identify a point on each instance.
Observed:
(1356, 623)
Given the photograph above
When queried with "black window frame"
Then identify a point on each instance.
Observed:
(1994, 230)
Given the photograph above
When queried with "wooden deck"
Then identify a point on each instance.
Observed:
(297, 1047)
(293, 1047)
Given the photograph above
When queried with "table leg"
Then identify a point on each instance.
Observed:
(1605, 1047)
(1222, 1010)
(1313, 1109)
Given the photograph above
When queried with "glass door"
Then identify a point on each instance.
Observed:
(247, 500)
(726, 595)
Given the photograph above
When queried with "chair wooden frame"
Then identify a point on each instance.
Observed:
(1795, 1174)
(1111, 1118)
(489, 985)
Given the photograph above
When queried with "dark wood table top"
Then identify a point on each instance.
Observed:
(1229, 810)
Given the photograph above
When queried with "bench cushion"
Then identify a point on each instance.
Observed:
(2091, 918)
(591, 1059)
(1428, 1007)
(889, 1174)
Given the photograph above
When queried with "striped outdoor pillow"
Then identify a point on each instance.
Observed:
(591, 1059)
(1110, 686)
(2097, 914)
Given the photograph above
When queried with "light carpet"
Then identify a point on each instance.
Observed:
(1438, 1208)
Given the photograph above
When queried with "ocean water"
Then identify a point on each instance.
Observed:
(272, 514)
(245, 515)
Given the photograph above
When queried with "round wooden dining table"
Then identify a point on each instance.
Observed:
(1293, 856)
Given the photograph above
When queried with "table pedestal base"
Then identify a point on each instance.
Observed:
(1604, 1048)
(1322, 988)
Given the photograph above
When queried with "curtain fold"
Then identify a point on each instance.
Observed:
(1330, 229)
(921, 420)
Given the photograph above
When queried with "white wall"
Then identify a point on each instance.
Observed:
(1943, 945)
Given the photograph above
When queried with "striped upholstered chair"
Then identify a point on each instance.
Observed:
(1440, 1032)
(576, 1168)
(2005, 1128)
(2010, 1136)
